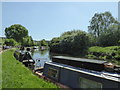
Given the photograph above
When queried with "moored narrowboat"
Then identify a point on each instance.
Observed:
(81, 73)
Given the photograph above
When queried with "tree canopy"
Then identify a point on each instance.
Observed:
(43, 43)
(20, 34)
(100, 23)
(72, 42)
(16, 32)
(111, 38)
(27, 41)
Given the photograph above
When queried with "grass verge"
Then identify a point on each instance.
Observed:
(111, 53)
(16, 75)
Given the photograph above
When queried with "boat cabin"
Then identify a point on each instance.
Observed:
(90, 64)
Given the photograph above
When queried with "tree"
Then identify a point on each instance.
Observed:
(10, 42)
(110, 38)
(73, 42)
(27, 41)
(100, 23)
(55, 44)
(32, 42)
(43, 43)
(16, 32)
(36, 43)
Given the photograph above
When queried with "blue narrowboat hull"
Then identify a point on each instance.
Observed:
(75, 77)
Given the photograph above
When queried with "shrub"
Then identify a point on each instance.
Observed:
(10, 42)
(71, 42)
(117, 57)
(91, 56)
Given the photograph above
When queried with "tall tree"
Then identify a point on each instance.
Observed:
(100, 23)
(16, 32)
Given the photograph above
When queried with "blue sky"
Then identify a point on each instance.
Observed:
(46, 20)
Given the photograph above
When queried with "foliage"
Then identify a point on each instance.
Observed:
(27, 41)
(10, 42)
(55, 44)
(100, 23)
(43, 43)
(92, 40)
(90, 56)
(20, 34)
(16, 32)
(110, 38)
(1, 41)
(119, 42)
(36, 43)
(106, 53)
(104, 30)
(71, 42)
(107, 50)
(16, 75)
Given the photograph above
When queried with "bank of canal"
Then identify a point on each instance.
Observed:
(16, 75)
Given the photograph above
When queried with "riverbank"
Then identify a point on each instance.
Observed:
(111, 53)
(16, 75)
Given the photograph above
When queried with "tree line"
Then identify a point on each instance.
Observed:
(18, 35)
(104, 30)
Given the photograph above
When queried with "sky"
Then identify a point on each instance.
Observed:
(45, 20)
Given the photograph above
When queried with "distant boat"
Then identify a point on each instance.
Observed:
(35, 47)
(43, 47)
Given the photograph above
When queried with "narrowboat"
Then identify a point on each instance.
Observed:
(24, 57)
(82, 73)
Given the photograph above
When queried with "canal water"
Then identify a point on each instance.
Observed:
(40, 57)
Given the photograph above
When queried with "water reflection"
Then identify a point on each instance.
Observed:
(40, 57)
(44, 52)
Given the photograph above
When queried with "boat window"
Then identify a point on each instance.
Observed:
(53, 73)
(87, 83)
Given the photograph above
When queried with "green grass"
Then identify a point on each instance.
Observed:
(16, 75)
(111, 53)
(103, 49)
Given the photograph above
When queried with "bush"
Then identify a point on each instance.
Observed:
(112, 52)
(91, 56)
(10, 42)
(117, 57)
(71, 42)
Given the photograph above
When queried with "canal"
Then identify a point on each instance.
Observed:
(40, 57)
